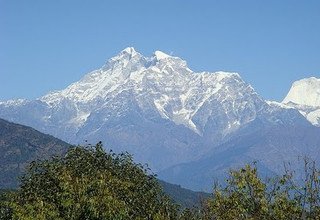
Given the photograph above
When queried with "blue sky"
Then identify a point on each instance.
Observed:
(46, 45)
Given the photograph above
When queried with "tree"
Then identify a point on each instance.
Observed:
(243, 198)
(5, 208)
(247, 196)
(88, 183)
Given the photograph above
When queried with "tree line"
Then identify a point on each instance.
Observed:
(90, 183)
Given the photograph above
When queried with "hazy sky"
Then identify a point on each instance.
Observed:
(46, 45)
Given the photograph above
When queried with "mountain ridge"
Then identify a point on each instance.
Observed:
(160, 111)
(19, 145)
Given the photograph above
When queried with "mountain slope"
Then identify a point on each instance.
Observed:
(271, 148)
(19, 145)
(182, 196)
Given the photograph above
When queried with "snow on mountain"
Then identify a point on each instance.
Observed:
(162, 83)
(14, 102)
(305, 92)
(160, 55)
(154, 107)
(304, 95)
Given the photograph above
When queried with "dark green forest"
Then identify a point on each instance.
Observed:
(90, 183)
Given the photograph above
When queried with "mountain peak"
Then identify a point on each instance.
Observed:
(159, 55)
(304, 92)
(129, 50)
(126, 54)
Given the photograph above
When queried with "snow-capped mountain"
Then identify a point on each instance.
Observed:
(160, 85)
(304, 95)
(158, 109)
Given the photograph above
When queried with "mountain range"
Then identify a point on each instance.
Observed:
(190, 127)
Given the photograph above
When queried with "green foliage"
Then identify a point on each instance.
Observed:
(246, 196)
(243, 198)
(89, 183)
(5, 201)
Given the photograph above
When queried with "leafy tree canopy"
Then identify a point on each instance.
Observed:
(246, 196)
(88, 183)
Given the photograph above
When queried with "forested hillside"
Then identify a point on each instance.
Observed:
(19, 145)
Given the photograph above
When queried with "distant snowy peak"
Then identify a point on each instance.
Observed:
(127, 53)
(304, 96)
(129, 50)
(130, 69)
(305, 92)
(164, 84)
(159, 55)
